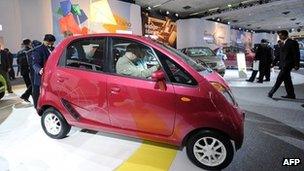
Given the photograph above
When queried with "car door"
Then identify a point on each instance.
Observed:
(81, 82)
(137, 103)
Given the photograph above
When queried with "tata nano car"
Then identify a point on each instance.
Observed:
(182, 103)
(2, 86)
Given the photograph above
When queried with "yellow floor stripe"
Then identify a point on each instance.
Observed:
(150, 156)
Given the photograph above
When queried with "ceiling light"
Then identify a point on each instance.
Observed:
(214, 9)
(229, 5)
(194, 13)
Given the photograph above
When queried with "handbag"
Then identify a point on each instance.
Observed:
(256, 65)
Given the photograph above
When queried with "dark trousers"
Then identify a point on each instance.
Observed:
(35, 94)
(262, 71)
(253, 75)
(267, 73)
(284, 76)
(8, 83)
(28, 91)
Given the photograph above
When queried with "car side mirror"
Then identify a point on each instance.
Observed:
(158, 76)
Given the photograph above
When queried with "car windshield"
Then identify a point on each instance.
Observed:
(198, 67)
(200, 51)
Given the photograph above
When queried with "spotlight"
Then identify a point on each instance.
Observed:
(149, 8)
(229, 5)
(176, 15)
(218, 19)
(240, 29)
(167, 12)
(228, 22)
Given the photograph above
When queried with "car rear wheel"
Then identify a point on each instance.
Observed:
(210, 150)
(54, 124)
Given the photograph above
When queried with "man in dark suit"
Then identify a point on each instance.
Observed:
(10, 59)
(289, 59)
(39, 56)
(4, 68)
(265, 55)
(22, 60)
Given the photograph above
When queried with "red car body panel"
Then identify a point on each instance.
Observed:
(135, 107)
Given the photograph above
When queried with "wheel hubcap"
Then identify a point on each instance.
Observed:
(209, 151)
(52, 124)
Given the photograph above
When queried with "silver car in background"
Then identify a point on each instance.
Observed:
(207, 56)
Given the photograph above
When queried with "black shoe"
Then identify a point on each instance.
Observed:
(249, 80)
(10, 92)
(289, 97)
(267, 80)
(270, 95)
(25, 99)
(259, 81)
(302, 105)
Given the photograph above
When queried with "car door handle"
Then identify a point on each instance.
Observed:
(115, 90)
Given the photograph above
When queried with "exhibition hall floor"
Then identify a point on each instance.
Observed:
(274, 129)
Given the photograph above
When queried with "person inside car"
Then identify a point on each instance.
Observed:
(127, 64)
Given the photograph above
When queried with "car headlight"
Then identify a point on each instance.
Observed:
(225, 92)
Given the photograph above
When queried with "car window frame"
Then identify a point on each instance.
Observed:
(169, 72)
(63, 58)
(110, 60)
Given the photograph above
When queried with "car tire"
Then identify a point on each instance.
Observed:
(210, 158)
(54, 124)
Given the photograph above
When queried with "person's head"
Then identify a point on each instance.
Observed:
(283, 34)
(26, 43)
(6, 50)
(280, 42)
(49, 40)
(133, 50)
(264, 42)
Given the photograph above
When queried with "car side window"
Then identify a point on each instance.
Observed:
(176, 73)
(131, 58)
(87, 54)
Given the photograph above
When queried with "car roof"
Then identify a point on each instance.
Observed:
(106, 35)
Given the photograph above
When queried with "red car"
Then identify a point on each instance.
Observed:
(182, 103)
(231, 61)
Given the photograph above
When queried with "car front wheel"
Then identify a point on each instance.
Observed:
(54, 125)
(210, 150)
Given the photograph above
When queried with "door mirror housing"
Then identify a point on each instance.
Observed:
(158, 75)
